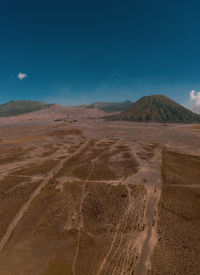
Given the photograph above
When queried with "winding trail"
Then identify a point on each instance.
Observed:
(135, 233)
(81, 224)
(121, 254)
(37, 191)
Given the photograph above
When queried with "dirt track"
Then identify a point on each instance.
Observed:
(153, 188)
(94, 211)
(24, 208)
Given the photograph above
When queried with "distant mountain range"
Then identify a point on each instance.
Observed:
(110, 107)
(157, 108)
(15, 107)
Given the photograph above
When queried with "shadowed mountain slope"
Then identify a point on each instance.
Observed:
(111, 107)
(14, 108)
(157, 108)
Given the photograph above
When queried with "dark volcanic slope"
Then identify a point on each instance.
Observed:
(111, 107)
(157, 108)
(14, 108)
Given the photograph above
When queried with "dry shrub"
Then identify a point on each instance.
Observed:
(36, 169)
(95, 163)
(148, 151)
(73, 148)
(10, 154)
(65, 132)
(11, 181)
(178, 250)
(11, 201)
(180, 168)
(58, 267)
(49, 152)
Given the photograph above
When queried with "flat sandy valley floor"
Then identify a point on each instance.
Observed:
(97, 198)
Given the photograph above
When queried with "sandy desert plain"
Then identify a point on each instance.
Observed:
(90, 197)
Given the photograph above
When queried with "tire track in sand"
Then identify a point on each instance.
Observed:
(81, 225)
(37, 191)
(153, 188)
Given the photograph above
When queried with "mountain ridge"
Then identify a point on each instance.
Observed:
(18, 107)
(110, 107)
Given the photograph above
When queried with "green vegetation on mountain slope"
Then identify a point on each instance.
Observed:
(14, 108)
(157, 108)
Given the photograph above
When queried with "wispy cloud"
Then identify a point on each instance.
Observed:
(21, 76)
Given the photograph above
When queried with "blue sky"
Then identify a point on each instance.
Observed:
(76, 52)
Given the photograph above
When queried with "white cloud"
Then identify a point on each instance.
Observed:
(21, 76)
(195, 96)
(192, 95)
